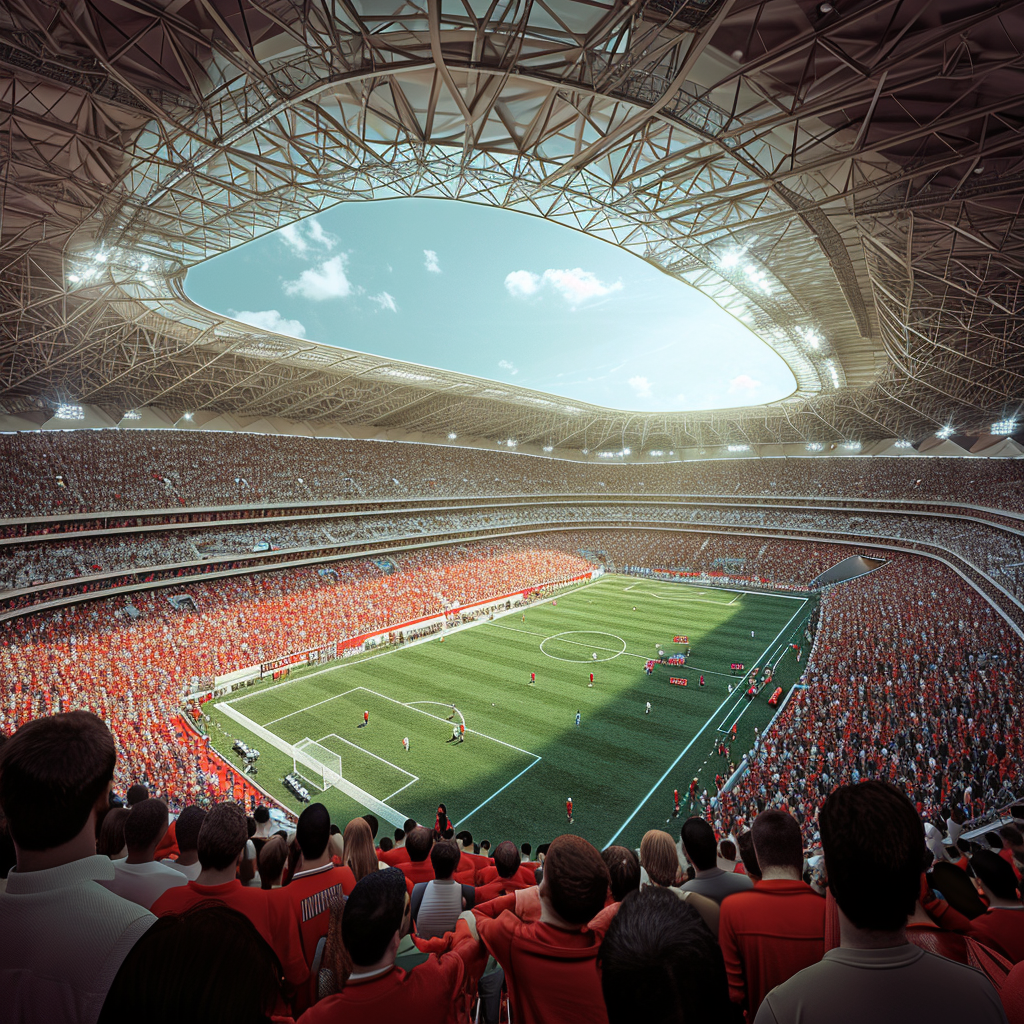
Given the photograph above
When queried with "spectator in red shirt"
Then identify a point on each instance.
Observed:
(551, 965)
(231, 972)
(777, 928)
(221, 845)
(418, 843)
(503, 876)
(371, 989)
(1002, 925)
(659, 962)
(317, 881)
(399, 855)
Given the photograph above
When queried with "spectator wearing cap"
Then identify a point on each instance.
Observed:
(1002, 925)
(370, 988)
(190, 821)
(873, 842)
(221, 845)
(140, 877)
(550, 965)
(778, 927)
(316, 882)
(437, 904)
(659, 962)
(63, 934)
(701, 850)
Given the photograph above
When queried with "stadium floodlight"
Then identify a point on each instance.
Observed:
(944, 433)
(1004, 427)
(132, 414)
(654, 454)
(730, 258)
(739, 447)
(904, 444)
(69, 412)
(811, 337)
(586, 451)
(511, 443)
(549, 448)
(852, 446)
(626, 451)
(814, 446)
(186, 415)
(671, 453)
(452, 436)
(74, 278)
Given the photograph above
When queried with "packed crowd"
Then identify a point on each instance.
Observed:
(111, 913)
(997, 552)
(63, 472)
(912, 678)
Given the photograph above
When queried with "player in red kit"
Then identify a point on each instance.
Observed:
(366, 718)
(591, 676)
(675, 797)
(701, 680)
(568, 809)
(533, 678)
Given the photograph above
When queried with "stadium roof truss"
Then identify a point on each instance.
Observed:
(847, 182)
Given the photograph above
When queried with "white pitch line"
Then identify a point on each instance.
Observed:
(496, 793)
(578, 643)
(326, 700)
(355, 746)
(415, 779)
(667, 772)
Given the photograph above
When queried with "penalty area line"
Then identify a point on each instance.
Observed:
(497, 792)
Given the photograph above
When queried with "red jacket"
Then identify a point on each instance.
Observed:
(270, 912)
(523, 878)
(393, 858)
(1001, 929)
(417, 870)
(551, 973)
(767, 934)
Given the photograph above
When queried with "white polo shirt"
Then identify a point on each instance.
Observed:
(144, 883)
(63, 936)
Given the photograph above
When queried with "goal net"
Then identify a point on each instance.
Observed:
(324, 764)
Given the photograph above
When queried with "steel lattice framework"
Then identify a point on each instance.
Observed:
(847, 182)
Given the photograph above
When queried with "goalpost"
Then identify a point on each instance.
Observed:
(323, 763)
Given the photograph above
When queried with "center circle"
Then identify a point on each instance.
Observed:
(587, 648)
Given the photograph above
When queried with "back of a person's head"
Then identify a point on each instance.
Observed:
(313, 831)
(699, 843)
(136, 794)
(444, 856)
(222, 837)
(386, 844)
(660, 963)
(506, 859)
(623, 870)
(996, 874)
(372, 915)
(186, 829)
(575, 879)
(745, 841)
(261, 815)
(399, 835)
(360, 855)
(418, 843)
(873, 843)
(1012, 835)
(145, 824)
(727, 849)
(272, 859)
(374, 824)
(110, 842)
(526, 849)
(465, 839)
(208, 962)
(777, 841)
(53, 772)
(408, 826)
(994, 840)
(658, 857)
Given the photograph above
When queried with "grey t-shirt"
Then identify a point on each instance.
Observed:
(903, 983)
(716, 884)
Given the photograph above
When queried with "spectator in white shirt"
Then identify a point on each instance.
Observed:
(140, 877)
(186, 831)
(63, 935)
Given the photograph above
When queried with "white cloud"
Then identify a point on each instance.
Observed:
(575, 286)
(641, 385)
(430, 261)
(743, 384)
(385, 301)
(270, 320)
(506, 365)
(327, 281)
(303, 236)
(521, 283)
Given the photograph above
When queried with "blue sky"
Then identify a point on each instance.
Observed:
(497, 295)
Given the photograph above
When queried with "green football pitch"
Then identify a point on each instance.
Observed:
(523, 753)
